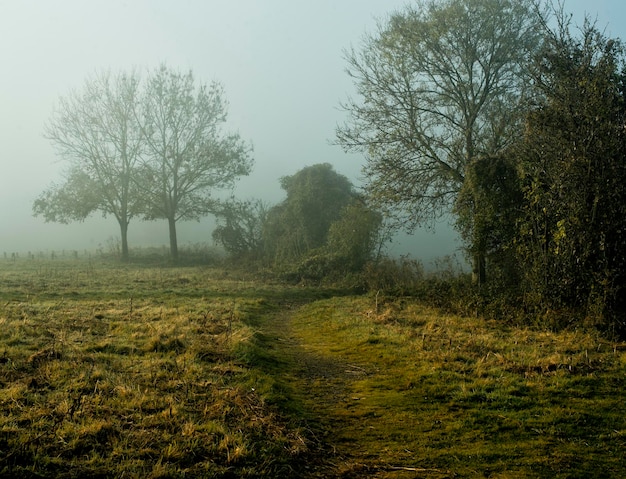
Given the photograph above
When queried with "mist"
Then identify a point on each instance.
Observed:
(280, 62)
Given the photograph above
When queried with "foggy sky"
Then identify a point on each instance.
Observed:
(280, 62)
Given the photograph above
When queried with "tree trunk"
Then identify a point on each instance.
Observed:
(479, 275)
(124, 236)
(173, 240)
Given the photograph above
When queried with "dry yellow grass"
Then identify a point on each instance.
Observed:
(123, 370)
(110, 370)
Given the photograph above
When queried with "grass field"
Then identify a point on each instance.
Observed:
(130, 371)
(111, 370)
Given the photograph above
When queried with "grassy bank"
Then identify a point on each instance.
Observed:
(404, 391)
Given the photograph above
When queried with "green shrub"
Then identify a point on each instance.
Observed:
(399, 276)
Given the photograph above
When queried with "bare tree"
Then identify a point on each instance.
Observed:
(438, 86)
(97, 132)
(187, 154)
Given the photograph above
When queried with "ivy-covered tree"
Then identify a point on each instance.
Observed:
(488, 208)
(323, 229)
(573, 171)
(316, 196)
(354, 238)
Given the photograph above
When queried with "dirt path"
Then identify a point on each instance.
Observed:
(337, 413)
(322, 385)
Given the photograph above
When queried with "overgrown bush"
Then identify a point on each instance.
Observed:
(240, 226)
(399, 276)
(317, 266)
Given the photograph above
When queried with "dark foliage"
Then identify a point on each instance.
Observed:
(573, 170)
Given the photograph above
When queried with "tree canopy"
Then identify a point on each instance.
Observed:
(573, 171)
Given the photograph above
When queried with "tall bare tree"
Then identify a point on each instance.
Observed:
(96, 131)
(188, 156)
(439, 86)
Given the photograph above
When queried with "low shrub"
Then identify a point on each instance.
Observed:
(401, 276)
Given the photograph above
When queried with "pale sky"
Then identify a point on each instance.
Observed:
(280, 62)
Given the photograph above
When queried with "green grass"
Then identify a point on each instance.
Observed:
(110, 370)
(415, 392)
